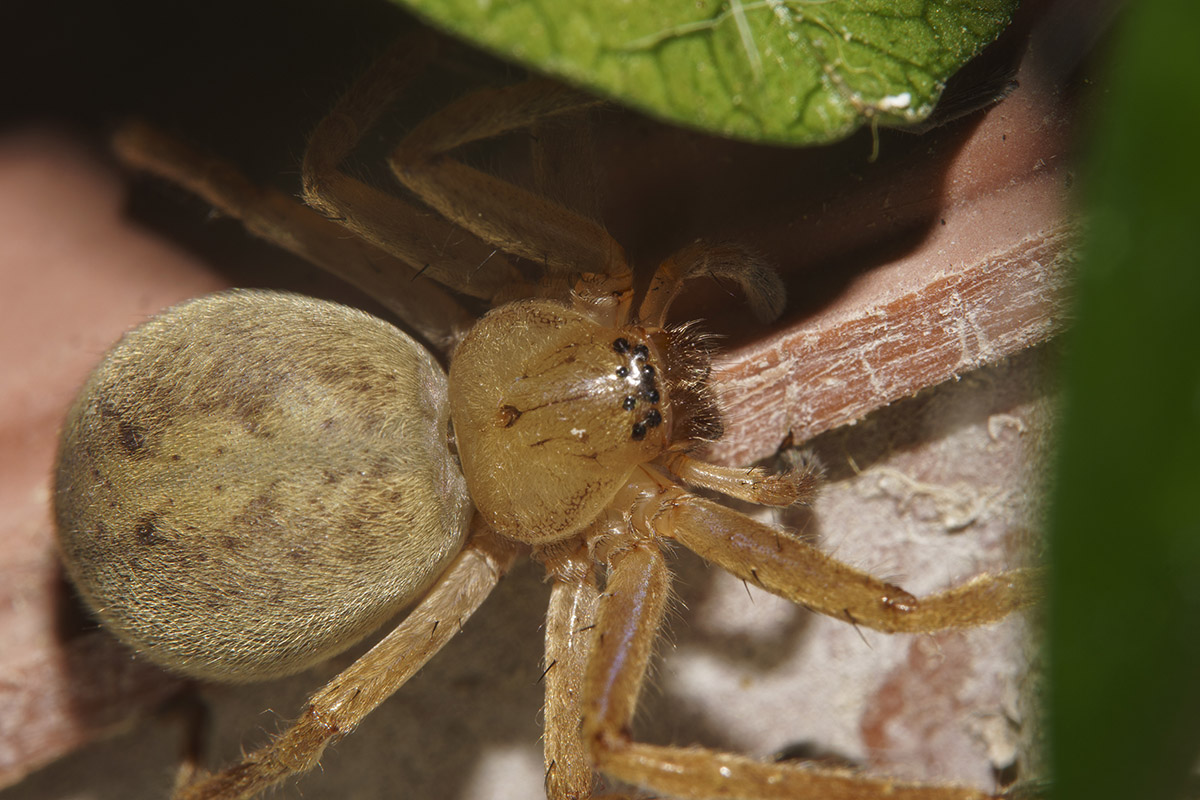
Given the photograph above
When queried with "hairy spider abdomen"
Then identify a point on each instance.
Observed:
(552, 412)
(252, 481)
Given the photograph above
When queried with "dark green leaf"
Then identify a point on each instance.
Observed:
(1125, 605)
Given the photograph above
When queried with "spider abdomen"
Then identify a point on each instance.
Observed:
(252, 481)
(552, 412)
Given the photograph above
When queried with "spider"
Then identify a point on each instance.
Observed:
(253, 481)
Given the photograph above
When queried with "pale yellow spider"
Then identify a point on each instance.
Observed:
(252, 481)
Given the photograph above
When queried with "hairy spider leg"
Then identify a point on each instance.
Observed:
(752, 484)
(431, 243)
(630, 613)
(563, 242)
(569, 622)
(790, 568)
(273, 215)
(758, 281)
(336, 709)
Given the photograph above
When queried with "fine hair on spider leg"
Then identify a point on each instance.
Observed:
(253, 480)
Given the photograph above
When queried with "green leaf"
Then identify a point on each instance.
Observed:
(787, 71)
(1125, 567)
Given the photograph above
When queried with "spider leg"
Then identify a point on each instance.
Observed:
(516, 220)
(564, 166)
(785, 566)
(569, 623)
(428, 242)
(759, 282)
(754, 485)
(278, 218)
(630, 613)
(337, 708)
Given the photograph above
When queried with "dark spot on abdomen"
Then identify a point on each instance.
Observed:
(146, 531)
(132, 437)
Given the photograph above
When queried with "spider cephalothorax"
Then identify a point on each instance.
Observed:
(569, 406)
